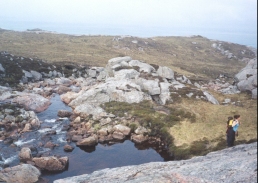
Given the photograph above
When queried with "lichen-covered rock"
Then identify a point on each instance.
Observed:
(24, 173)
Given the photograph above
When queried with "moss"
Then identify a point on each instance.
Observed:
(199, 147)
(133, 126)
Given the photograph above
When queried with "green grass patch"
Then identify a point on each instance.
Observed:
(145, 114)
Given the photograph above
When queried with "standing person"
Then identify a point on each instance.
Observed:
(229, 122)
(236, 124)
(230, 132)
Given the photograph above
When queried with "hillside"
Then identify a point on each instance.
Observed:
(198, 58)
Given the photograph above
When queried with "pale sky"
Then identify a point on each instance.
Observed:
(191, 15)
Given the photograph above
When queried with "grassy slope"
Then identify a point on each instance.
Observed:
(179, 53)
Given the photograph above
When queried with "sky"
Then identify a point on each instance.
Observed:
(143, 17)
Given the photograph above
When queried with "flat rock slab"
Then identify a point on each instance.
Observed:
(235, 164)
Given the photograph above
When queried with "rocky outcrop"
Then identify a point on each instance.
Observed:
(23, 173)
(247, 78)
(235, 164)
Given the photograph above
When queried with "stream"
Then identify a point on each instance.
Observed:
(81, 160)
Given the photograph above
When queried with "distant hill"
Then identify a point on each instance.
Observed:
(194, 56)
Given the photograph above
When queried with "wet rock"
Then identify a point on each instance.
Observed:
(68, 148)
(76, 138)
(90, 141)
(123, 129)
(118, 135)
(32, 102)
(50, 145)
(139, 138)
(51, 163)
(64, 113)
(25, 154)
(35, 123)
(23, 173)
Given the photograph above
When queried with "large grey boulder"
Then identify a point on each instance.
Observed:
(111, 90)
(118, 60)
(142, 66)
(115, 63)
(235, 164)
(165, 72)
(248, 84)
(36, 75)
(152, 86)
(126, 74)
(243, 74)
(247, 77)
(23, 173)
